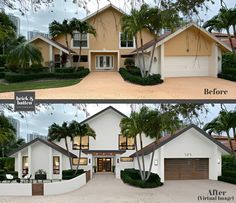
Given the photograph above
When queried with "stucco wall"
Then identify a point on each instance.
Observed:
(15, 189)
(44, 49)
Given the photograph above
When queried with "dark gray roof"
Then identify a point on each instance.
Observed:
(104, 151)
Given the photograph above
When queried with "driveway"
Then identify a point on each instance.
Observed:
(106, 189)
(110, 85)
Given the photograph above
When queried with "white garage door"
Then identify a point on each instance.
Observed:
(186, 66)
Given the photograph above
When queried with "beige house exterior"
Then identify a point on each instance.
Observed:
(106, 51)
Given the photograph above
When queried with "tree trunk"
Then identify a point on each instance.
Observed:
(80, 52)
(68, 47)
(137, 157)
(150, 167)
(234, 133)
(231, 43)
(231, 145)
(151, 59)
(141, 40)
(138, 56)
(142, 155)
(80, 149)
(68, 153)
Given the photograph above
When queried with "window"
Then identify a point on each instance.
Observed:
(126, 143)
(84, 143)
(126, 159)
(77, 40)
(83, 58)
(25, 165)
(126, 41)
(83, 161)
(56, 165)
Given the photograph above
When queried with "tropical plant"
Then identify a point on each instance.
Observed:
(7, 132)
(24, 54)
(82, 27)
(64, 29)
(7, 28)
(81, 130)
(223, 123)
(58, 133)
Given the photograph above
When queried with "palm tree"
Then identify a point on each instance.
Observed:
(58, 133)
(223, 123)
(81, 130)
(24, 54)
(65, 29)
(7, 132)
(223, 21)
(82, 27)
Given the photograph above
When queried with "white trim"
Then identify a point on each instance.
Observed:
(50, 53)
(120, 47)
(72, 46)
(49, 42)
(101, 10)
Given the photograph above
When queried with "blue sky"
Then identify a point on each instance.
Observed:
(58, 113)
(66, 10)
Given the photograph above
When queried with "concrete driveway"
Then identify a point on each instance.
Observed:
(106, 189)
(110, 85)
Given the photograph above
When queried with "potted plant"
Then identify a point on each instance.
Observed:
(40, 175)
(95, 169)
(113, 168)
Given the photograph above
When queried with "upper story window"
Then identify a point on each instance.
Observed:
(126, 143)
(77, 40)
(126, 41)
(84, 143)
(25, 165)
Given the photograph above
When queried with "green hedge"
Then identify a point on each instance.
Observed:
(3, 60)
(2, 75)
(228, 61)
(229, 174)
(20, 77)
(132, 177)
(134, 78)
(69, 174)
(227, 179)
(228, 163)
(7, 164)
(68, 70)
(230, 71)
(227, 76)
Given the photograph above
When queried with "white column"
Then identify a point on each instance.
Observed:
(162, 61)
(89, 61)
(118, 58)
(29, 160)
(50, 53)
(60, 53)
(60, 166)
(117, 169)
(19, 164)
(161, 164)
(50, 163)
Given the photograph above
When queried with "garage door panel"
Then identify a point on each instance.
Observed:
(186, 66)
(186, 169)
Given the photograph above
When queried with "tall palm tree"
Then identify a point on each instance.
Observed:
(24, 54)
(82, 27)
(58, 133)
(81, 130)
(223, 21)
(7, 132)
(223, 123)
(65, 29)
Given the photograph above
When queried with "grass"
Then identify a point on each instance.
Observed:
(11, 87)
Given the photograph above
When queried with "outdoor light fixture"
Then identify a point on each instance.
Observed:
(89, 161)
(118, 160)
(218, 161)
(155, 162)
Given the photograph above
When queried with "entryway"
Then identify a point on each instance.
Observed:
(104, 164)
(104, 62)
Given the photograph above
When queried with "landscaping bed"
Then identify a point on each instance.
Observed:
(69, 174)
(132, 177)
(133, 75)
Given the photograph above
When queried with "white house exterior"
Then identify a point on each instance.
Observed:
(111, 150)
(190, 51)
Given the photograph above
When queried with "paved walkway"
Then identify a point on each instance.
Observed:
(107, 189)
(110, 85)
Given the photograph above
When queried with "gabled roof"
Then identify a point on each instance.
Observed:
(53, 43)
(103, 9)
(95, 115)
(165, 139)
(48, 143)
(224, 141)
(170, 36)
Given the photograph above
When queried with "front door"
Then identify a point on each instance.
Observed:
(104, 62)
(104, 164)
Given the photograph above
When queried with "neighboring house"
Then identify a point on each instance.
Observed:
(223, 37)
(191, 153)
(106, 51)
(224, 140)
(189, 51)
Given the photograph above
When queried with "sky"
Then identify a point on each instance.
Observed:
(66, 10)
(58, 113)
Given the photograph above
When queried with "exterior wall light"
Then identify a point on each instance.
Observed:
(155, 162)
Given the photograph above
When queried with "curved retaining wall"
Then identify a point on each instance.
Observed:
(15, 189)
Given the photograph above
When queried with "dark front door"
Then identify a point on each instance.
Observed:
(104, 164)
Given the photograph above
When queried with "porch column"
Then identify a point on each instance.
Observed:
(89, 61)
(60, 53)
(161, 164)
(29, 160)
(117, 164)
(50, 164)
(90, 164)
(19, 157)
(60, 157)
(50, 53)
(118, 57)
(162, 61)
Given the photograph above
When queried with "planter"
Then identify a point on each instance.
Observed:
(40, 176)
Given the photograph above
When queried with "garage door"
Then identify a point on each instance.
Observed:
(186, 169)
(186, 66)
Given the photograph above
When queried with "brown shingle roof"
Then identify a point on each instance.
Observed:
(224, 141)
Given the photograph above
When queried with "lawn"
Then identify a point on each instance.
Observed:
(11, 87)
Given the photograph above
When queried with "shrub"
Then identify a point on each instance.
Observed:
(129, 62)
(150, 80)
(227, 179)
(79, 74)
(2, 69)
(132, 177)
(7, 164)
(37, 68)
(227, 76)
(69, 174)
(3, 60)
(2, 75)
(229, 174)
(20, 77)
(228, 163)
(68, 70)
(230, 71)
(228, 61)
